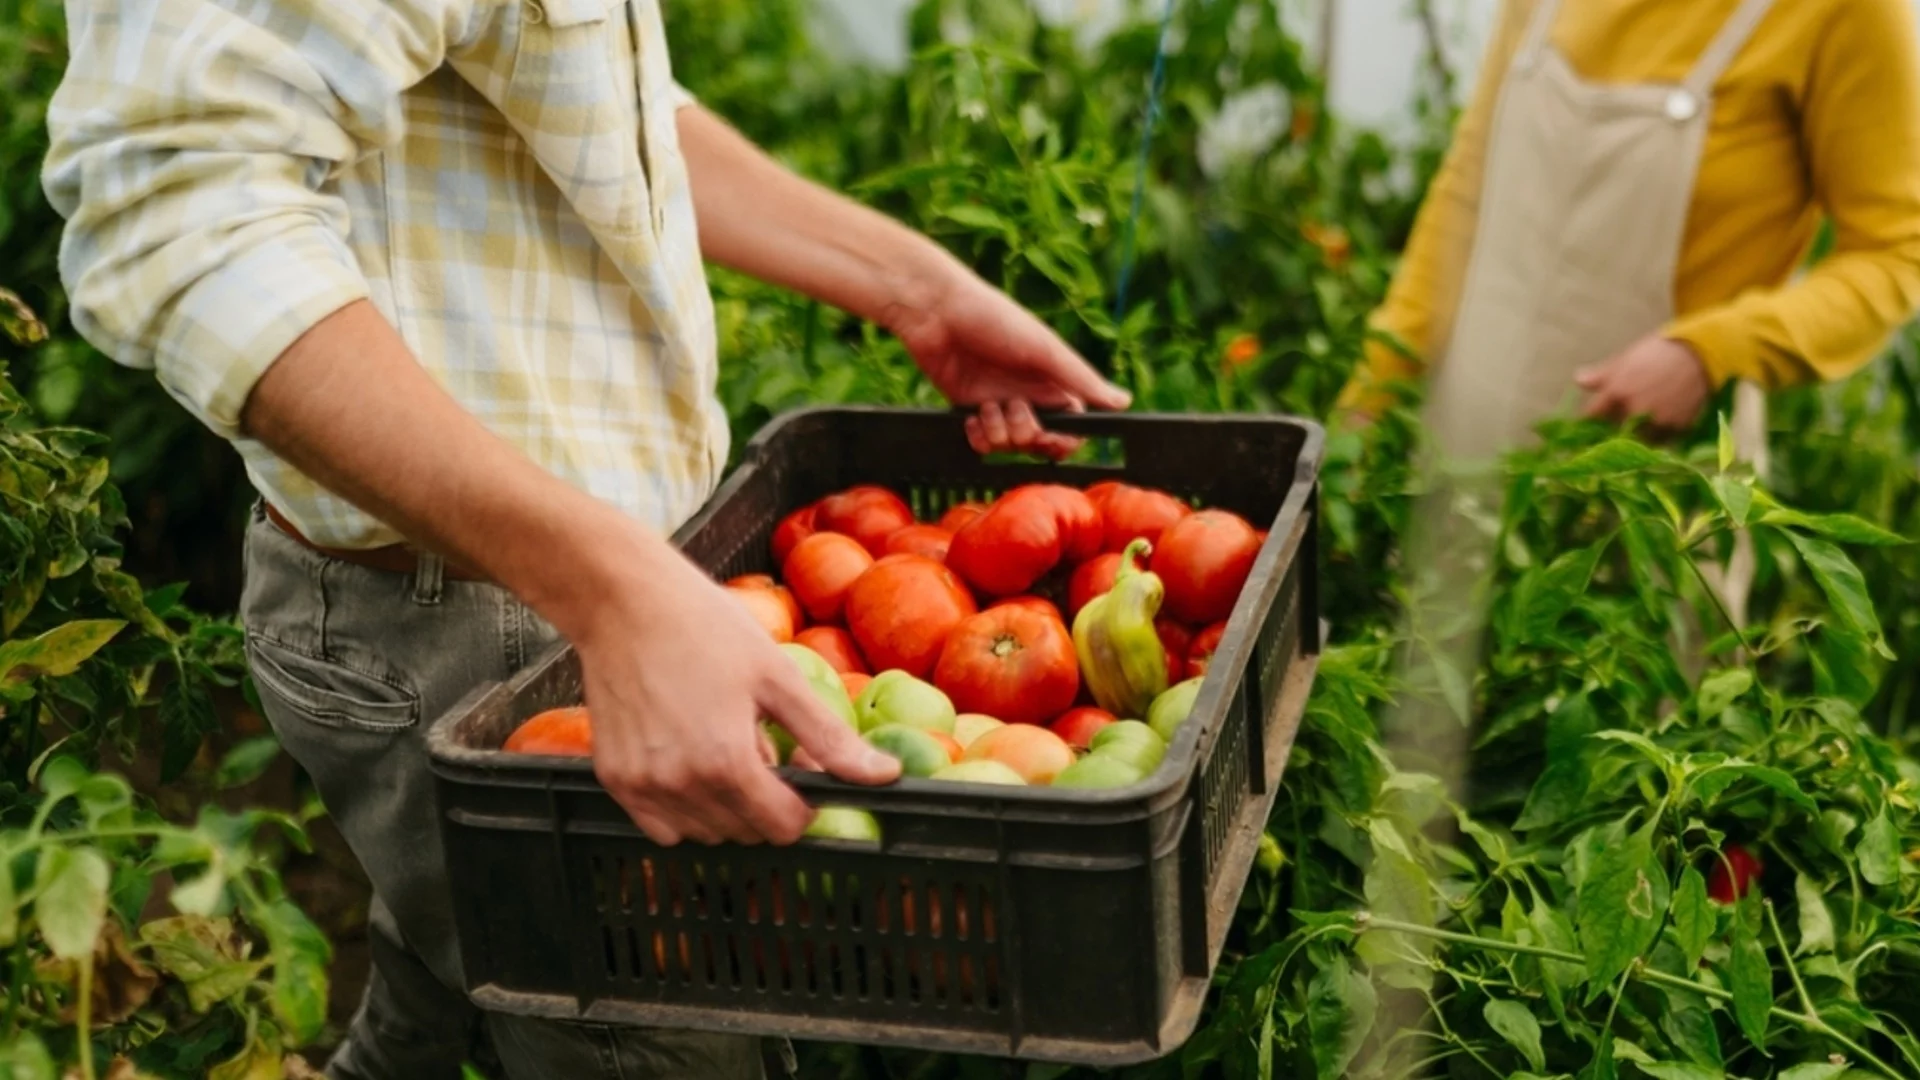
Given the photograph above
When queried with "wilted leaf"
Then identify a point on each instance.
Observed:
(72, 903)
(1513, 1022)
(258, 1060)
(59, 651)
(1623, 902)
(1879, 850)
(206, 955)
(300, 954)
(1693, 918)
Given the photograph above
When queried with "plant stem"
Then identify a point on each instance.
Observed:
(1817, 1022)
(83, 1016)
(1810, 1020)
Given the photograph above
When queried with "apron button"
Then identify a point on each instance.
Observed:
(1682, 106)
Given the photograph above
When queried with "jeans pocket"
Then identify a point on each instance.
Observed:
(330, 693)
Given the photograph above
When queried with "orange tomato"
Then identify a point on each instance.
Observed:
(949, 744)
(835, 646)
(1035, 603)
(1076, 727)
(930, 541)
(901, 611)
(765, 581)
(1204, 560)
(820, 571)
(1005, 550)
(961, 513)
(1037, 754)
(1092, 579)
(562, 732)
(1134, 513)
(854, 681)
(768, 609)
(792, 529)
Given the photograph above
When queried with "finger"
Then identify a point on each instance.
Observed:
(977, 436)
(1600, 406)
(993, 424)
(1588, 378)
(1072, 373)
(653, 825)
(1056, 445)
(1023, 428)
(803, 760)
(774, 810)
(769, 754)
(826, 737)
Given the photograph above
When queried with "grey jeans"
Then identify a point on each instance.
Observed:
(351, 664)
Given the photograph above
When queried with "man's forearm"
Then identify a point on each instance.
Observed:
(348, 405)
(759, 218)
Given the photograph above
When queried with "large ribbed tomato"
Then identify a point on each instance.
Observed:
(961, 513)
(867, 513)
(1204, 560)
(901, 611)
(821, 569)
(1081, 526)
(1036, 603)
(1012, 663)
(1005, 550)
(1129, 513)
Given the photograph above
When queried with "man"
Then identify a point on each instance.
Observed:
(434, 267)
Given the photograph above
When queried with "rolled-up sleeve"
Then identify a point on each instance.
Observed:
(193, 146)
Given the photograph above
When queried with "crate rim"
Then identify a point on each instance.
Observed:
(1138, 801)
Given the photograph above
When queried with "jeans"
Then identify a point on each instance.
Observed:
(352, 664)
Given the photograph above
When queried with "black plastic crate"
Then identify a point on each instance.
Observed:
(1073, 926)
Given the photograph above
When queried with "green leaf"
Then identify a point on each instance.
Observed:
(1816, 922)
(1845, 589)
(1649, 749)
(1556, 795)
(1680, 1070)
(202, 895)
(1552, 930)
(1833, 830)
(300, 955)
(1814, 1070)
(1843, 528)
(59, 651)
(72, 902)
(1721, 689)
(25, 1057)
(1340, 1012)
(1749, 976)
(1513, 1022)
(1609, 458)
(9, 901)
(1693, 917)
(1622, 903)
(1736, 497)
(1710, 783)
(1727, 452)
(975, 216)
(249, 758)
(1879, 850)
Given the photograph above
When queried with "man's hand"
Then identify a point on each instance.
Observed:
(980, 348)
(678, 677)
(1658, 378)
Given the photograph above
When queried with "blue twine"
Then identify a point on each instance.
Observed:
(1140, 167)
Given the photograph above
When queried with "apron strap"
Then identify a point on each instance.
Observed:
(1720, 55)
(1538, 29)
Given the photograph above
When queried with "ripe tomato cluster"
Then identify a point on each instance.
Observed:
(951, 638)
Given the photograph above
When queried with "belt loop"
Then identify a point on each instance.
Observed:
(429, 579)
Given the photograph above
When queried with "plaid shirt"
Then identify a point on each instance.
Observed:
(501, 178)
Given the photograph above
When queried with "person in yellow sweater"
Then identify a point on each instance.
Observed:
(1626, 198)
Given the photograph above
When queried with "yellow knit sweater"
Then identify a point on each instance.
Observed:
(1820, 113)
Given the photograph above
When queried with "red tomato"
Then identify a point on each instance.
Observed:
(768, 610)
(792, 529)
(1078, 726)
(1200, 653)
(1081, 526)
(1035, 603)
(1177, 640)
(1005, 550)
(961, 513)
(1093, 578)
(1730, 878)
(930, 541)
(902, 610)
(1011, 663)
(867, 513)
(855, 682)
(563, 732)
(835, 646)
(1204, 560)
(820, 571)
(1131, 513)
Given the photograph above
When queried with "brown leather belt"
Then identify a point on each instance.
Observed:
(393, 558)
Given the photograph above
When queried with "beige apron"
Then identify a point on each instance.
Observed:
(1588, 187)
